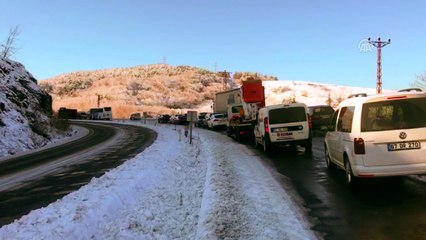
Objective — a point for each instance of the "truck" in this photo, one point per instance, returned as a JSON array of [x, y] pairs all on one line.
[[223, 99], [66, 113], [241, 106]]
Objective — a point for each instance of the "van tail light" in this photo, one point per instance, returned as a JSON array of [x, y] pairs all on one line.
[[309, 121], [266, 123], [359, 146]]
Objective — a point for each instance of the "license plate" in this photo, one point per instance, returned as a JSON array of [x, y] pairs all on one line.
[[404, 146], [285, 136]]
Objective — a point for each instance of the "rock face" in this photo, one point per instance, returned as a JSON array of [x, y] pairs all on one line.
[[25, 110]]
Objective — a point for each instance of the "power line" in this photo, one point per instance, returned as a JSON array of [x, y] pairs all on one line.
[[379, 44]]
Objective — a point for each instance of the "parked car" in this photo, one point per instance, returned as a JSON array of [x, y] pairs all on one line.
[[82, 115], [283, 125], [320, 116], [164, 118], [378, 135], [182, 119], [216, 120], [135, 116], [200, 120], [206, 118]]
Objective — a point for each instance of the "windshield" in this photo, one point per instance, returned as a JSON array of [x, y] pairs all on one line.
[[287, 115], [237, 109], [395, 114]]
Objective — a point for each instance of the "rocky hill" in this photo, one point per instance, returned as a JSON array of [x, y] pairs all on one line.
[[157, 88], [25, 110]]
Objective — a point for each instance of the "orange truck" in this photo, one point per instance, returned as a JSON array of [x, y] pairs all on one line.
[[242, 105]]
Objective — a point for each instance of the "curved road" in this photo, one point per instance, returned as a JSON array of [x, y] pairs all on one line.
[[33, 181]]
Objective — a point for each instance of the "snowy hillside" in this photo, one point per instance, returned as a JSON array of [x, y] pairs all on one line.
[[25, 110], [310, 93]]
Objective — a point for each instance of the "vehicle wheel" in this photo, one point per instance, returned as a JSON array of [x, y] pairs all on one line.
[[265, 147], [237, 136], [256, 144], [330, 164], [308, 146], [351, 180], [229, 131]]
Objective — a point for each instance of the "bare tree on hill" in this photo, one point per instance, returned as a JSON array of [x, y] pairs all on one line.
[[420, 81], [8, 49]]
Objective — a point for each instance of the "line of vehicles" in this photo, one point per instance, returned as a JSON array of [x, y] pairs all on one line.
[[366, 136], [101, 113], [243, 113]]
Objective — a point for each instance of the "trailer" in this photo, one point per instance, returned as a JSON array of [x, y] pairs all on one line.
[[223, 99]]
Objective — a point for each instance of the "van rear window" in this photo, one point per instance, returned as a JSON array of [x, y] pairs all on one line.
[[394, 114], [287, 115]]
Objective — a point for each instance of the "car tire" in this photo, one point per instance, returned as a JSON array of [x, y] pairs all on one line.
[[308, 146], [256, 144], [330, 164], [237, 136], [229, 131], [351, 180], [265, 146]]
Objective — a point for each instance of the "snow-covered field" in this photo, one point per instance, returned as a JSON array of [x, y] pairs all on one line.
[[213, 188], [310, 93]]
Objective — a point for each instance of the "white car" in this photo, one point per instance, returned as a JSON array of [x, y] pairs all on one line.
[[283, 125], [216, 120], [378, 135]]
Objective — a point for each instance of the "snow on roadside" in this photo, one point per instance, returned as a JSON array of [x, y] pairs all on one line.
[[213, 188], [242, 200]]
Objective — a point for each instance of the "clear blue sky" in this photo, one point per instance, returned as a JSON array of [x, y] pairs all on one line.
[[319, 41]]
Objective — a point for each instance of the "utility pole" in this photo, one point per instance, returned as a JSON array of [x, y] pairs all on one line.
[[225, 75], [379, 44], [99, 99]]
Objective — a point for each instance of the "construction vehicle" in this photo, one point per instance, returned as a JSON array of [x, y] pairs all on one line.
[[241, 106]]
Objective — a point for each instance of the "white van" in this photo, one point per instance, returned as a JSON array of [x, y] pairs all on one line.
[[378, 135], [283, 125]]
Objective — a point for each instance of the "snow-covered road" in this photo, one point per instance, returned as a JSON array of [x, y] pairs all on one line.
[[213, 188]]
